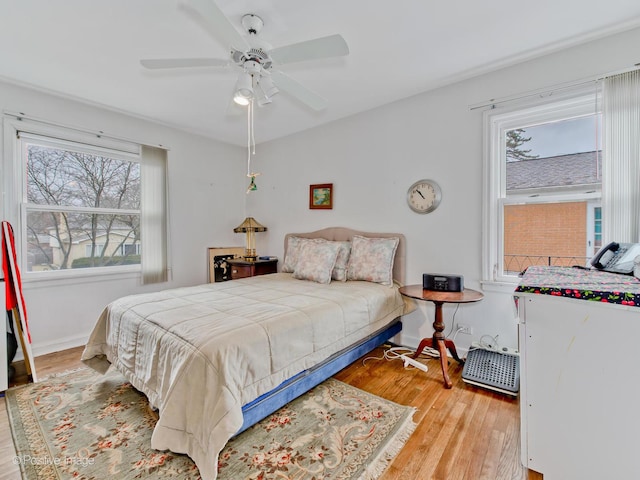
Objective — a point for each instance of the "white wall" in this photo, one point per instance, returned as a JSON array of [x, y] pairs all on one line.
[[206, 191], [372, 158]]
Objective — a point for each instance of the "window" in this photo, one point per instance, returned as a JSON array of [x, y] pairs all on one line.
[[543, 170], [80, 204], [597, 229]]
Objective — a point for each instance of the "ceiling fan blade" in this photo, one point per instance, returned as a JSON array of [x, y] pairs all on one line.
[[219, 23], [324, 47], [154, 63], [295, 89]]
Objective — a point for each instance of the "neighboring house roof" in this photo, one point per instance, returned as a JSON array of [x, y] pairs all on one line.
[[560, 171]]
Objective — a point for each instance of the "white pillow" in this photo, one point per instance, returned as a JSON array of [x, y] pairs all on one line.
[[371, 259], [316, 261]]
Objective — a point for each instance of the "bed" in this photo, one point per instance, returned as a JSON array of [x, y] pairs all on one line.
[[216, 358]]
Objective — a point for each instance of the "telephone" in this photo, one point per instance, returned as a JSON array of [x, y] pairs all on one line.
[[616, 257]]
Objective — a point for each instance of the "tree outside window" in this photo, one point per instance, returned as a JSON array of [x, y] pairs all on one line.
[[83, 207]]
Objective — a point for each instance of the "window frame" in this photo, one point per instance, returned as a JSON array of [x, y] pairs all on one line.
[[15, 206], [496, 122]]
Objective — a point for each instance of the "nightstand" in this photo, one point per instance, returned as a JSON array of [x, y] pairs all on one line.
[[241, 268]]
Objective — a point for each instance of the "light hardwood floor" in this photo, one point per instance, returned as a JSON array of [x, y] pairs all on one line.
[[465, 433]]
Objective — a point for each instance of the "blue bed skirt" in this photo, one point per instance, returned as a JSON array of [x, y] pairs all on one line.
[[292, 388]]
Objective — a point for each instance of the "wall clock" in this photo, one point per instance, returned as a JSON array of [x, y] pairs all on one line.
[[424, 196]]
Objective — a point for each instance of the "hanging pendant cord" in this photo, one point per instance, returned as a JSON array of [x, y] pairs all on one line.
[[249, 137], [253, 140]]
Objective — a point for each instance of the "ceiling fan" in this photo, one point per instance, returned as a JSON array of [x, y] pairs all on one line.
[[258, 79]]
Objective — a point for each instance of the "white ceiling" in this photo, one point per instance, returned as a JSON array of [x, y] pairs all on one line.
[[90, 50]]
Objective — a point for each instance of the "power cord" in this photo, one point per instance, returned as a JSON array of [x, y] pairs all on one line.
[[400, 353], [491, 344], [453, 322], [453, 339], [405, 354], [391, 353]]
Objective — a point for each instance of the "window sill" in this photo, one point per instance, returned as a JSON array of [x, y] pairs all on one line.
[[499, 287], [74, 277]]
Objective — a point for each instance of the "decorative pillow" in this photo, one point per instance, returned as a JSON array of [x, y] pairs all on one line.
[[293, 248], [340, 268], [371, 259], [316, 261]]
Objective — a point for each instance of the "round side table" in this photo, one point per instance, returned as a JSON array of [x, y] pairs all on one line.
[[438, 341]]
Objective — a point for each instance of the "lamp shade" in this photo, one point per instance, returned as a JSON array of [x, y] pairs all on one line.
[[250, 225]]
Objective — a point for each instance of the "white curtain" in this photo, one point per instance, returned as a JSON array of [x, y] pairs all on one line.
[[154, 213], [621, 166]]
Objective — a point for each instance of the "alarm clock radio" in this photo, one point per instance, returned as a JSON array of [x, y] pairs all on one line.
[[442, 282]]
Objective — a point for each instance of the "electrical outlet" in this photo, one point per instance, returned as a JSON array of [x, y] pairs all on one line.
[[465, 329]]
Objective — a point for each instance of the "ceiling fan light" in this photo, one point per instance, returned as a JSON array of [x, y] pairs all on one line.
[[267, 86], [240, 100], [244, 89], [262, 101]]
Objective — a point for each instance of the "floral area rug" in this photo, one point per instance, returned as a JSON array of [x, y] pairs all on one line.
[[83, 425]]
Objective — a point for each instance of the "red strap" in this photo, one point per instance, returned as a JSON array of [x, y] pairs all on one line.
[[12, 295]]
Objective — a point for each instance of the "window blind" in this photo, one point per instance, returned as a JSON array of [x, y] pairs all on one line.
[[154, 213], [621, 166]]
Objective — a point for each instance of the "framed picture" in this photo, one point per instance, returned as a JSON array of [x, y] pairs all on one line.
[[321, 196]]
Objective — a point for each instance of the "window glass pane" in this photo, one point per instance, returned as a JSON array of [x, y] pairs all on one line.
[[57, 176], [544, 234], [65, 240], [597, 228], [564, 136], [555, 158]]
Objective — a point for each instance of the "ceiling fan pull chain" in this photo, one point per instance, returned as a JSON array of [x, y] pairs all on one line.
[[251, 143], [253, 139], [249, 140]]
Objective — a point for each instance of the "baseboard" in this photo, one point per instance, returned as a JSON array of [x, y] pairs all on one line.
[[407, 340], [44, 348]]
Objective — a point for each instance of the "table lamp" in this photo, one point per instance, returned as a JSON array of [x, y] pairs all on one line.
[[250, 226]]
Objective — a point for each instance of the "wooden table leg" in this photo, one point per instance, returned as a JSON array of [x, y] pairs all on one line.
[[424, 343], [440, 343], [452, 348], [444, 363]]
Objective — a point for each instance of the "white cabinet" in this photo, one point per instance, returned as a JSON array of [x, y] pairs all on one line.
[[3, 342], [579, 387]]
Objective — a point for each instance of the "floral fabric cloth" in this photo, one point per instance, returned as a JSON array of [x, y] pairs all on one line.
[[582, 284], [371, 259], [296, 253], [316, 261], [340, 268]]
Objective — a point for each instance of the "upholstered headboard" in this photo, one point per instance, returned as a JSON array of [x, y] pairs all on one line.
[[342, 234]]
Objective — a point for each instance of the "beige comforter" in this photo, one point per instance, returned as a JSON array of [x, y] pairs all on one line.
[[200, 353]]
